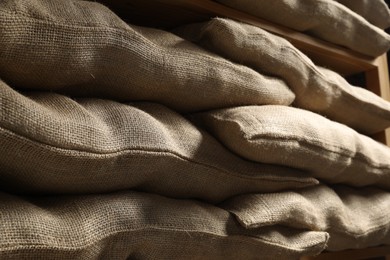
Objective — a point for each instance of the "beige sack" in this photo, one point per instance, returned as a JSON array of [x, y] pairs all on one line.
[[83, 49], [131, 225], [52, 144], [316, 89], [375, 11], [325, 19], [354, 218], [301, 139]]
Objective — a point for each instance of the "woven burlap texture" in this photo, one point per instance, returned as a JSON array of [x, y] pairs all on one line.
[[353, 217], [316, 89], [375, 11], [51, 143], [300, 139], [325, 19], [81, 48], [132, 225]]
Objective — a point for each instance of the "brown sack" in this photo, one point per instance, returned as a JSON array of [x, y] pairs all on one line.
[[317, 89], [325, 19], [301, 139], [52, 144], [131, 225], [81, 48], [375, 11], [354, 218]]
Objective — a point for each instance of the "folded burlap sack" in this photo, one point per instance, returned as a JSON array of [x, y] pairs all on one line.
[[52, 144], [325, 19], [83, 49], [301, 139], [354, 218], [132, 225], [316, 89], [375, 11]]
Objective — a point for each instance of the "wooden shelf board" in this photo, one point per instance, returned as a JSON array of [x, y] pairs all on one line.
[[377, 80]]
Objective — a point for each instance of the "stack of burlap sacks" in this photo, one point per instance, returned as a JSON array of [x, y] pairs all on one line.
[[124, 142]]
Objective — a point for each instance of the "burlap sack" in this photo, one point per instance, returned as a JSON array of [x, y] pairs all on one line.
[[131, 225], [375, 11], [325, 19], [301, 139], [52, 144], [83, 49], [316, 89], [354, 218]]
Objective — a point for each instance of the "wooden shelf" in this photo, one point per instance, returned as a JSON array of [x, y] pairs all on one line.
[[377, 81]]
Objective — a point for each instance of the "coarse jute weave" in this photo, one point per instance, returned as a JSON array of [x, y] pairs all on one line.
[[325, 19], [301, 139], [316, 89], [354, 218], [50, 143], [81, 48], [375, 11], [132, 225]]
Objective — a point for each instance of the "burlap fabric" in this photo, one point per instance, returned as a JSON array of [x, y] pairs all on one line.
[[301, 139], [53, 144], [324, 19], [375, 11], [81, 48], [131, 225], [354, 218], [316, 89]]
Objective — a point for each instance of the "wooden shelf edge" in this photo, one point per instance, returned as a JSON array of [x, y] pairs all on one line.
[[377, 80]]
